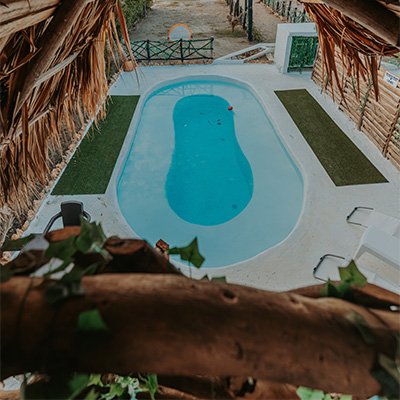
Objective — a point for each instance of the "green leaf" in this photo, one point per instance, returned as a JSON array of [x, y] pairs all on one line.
[[221, 279], [310, 394], [352, 275], [91, 321], [340, 291], [362, 326], [5, 274], [60, 268], [92, 395], [63, 250], [76, 384], [330, 290], [91, 237], [150, 383], [76, 274], [95, 380], [18, 244], [62, 289], [189, 253]]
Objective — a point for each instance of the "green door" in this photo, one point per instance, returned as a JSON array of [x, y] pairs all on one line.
[[302, 52]]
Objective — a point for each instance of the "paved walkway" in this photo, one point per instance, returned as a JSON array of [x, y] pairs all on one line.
[[322, 227], [205, 18]]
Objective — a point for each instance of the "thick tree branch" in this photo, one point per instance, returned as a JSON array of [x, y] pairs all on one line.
[[128, 255], [168, 324]]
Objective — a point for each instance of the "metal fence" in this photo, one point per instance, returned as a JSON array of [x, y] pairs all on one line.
[[179, 50], [290, 9], [243, 10]]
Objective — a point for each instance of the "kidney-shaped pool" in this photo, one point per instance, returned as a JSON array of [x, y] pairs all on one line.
[[206, 162]]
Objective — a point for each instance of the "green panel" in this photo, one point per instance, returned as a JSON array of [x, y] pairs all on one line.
[[302, 52], [341, 158], [90, 169]]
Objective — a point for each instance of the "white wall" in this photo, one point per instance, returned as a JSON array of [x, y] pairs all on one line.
[[283, 41]]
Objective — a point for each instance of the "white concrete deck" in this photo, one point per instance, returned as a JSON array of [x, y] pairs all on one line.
[[321, 229]]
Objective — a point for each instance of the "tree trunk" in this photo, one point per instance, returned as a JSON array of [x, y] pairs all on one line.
[[172, 325]]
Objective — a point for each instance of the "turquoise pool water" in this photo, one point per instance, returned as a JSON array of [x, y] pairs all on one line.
[[196, 168], [210, 180]]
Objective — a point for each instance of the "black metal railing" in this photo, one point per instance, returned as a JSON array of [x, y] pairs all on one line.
[[292, 10], [177, 50]]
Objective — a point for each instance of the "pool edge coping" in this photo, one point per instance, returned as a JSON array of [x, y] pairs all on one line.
[[111, 191]]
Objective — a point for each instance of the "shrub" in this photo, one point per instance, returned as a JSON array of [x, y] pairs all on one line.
[[134, 10]]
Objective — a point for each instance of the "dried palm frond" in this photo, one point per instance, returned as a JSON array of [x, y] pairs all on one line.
[[360, 49], [38, 118]]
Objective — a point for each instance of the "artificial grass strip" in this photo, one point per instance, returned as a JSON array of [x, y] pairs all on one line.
[[90, 169], [341, 158]]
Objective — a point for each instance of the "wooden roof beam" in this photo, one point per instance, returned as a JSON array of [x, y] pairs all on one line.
[[15, 9], [370, 14], [20, 14], [17, 25], [60, 26]]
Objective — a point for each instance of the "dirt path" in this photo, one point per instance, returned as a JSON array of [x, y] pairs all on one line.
[[265, 22], [205, 18]]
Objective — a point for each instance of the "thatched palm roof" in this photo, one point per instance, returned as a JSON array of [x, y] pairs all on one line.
[[52, 78], [54, 56], [363, 31]]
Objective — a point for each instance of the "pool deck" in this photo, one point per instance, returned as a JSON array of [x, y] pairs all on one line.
[[322, 227]]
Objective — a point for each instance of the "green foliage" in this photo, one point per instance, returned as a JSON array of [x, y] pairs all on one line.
[[90, 387], [92, 395], [63, 250], [121, 387], [350, 276], [134, 10], [77, 383], [13, 245], [305, 393], [189, 253], [311, 394], [150, 383], [90, 241], [70, 251], [91, 321], [221, 279]]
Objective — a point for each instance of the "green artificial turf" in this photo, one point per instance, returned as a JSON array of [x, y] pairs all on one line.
[[90, 168], [342, 160]]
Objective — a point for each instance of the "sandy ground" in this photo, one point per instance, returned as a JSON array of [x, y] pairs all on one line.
[[265, 22], [205, 18]]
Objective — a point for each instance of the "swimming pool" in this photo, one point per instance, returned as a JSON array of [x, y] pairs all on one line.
[[197, 169]]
